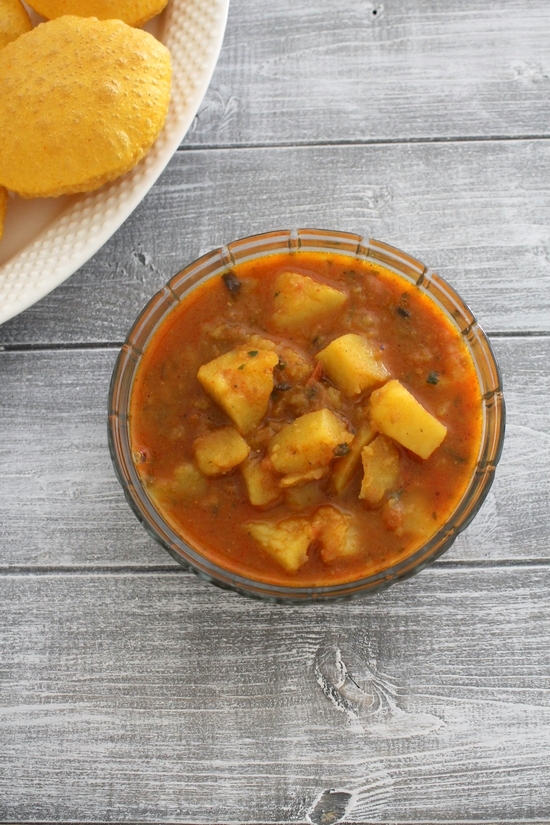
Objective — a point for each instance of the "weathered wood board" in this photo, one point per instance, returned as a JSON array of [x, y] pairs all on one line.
[[476, 212], [61, 505], [295, 71], [157, 698], [132, 692]]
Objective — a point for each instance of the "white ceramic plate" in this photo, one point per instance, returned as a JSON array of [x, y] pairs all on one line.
[[47, 239]]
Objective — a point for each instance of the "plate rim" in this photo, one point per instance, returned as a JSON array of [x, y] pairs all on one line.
[[150, 168]]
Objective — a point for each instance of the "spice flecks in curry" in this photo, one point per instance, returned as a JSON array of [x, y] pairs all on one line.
[[307, 419]]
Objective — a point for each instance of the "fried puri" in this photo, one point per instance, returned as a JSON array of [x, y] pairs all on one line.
[[3, 208], [133, 12], [82, 102], [14, 21]]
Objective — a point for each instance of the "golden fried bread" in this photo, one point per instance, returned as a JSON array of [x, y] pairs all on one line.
[[133, 12], [3, 208], [14, 21], [82, 102]]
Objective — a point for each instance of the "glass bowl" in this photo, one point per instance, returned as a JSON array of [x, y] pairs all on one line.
[[222, 261]]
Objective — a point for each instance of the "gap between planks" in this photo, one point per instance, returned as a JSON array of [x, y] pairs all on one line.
[[109, 346], [307, 144], [167, 570]]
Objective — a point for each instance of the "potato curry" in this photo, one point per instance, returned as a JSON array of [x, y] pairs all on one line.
[[306, 419]]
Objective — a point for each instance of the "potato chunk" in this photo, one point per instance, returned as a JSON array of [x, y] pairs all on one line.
[[241, 382], [353, 364], [218, 451], [304, 496], [307, 444], [397, 413], [344, 468], [262, 485], [381, 470], [411, 514], [186, 483], [336, 534], [299, 300], [286, 541], [298, 479]]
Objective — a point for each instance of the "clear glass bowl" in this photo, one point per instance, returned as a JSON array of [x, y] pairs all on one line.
[[217, 263]]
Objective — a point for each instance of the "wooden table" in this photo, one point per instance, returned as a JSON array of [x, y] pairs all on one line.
[[133, 692]]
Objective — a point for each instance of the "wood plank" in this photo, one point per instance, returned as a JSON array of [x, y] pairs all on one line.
[[60, 503], [477, 213], [157, 698], [293, 72]]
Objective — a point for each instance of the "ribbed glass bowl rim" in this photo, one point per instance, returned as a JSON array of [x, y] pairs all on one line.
[[223, 260]]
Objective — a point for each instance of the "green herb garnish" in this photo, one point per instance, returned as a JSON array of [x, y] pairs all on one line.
[[341, 449]]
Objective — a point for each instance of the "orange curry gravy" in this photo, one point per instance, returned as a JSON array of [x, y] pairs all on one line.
[[417, 345]]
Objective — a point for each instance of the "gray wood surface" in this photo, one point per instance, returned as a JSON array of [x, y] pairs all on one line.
[[295, 72], [157, 697], [132, 692], [476, 212]]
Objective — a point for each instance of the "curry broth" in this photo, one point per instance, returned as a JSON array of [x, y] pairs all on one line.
[[418, 346]]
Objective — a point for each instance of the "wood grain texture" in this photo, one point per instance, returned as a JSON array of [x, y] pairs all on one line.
[[159, 698], [61, 505], [477, 213], [296, 72], [132, 692]]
